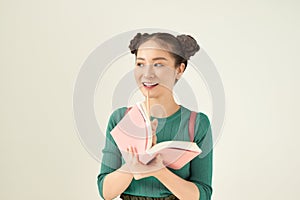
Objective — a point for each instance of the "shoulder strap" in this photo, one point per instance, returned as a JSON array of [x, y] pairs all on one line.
[[192, 125]]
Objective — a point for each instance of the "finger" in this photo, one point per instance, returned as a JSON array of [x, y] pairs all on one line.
[[136, 154], [154, 139], [159, 158], [131, 150], [154, 124], [130, 153], [126, 155]]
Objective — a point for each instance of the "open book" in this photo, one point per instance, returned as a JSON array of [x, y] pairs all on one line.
[[135, 129]]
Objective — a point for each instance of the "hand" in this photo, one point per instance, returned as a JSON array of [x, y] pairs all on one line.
[[154, 124], [140, 170]]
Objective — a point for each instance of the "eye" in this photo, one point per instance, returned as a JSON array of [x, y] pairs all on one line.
[[158, 65], [140, 64]]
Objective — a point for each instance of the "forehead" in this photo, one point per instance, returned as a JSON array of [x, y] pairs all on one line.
[[151, 49]]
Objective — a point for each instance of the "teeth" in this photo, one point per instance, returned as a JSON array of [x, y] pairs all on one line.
[[150, 84]]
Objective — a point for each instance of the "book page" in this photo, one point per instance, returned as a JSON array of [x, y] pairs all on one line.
[[183, 145], [144, 113]]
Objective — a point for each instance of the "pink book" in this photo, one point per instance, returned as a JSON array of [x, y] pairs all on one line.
[[135, 130], [175, 154]]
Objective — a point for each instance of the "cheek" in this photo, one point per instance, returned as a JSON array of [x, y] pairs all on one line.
[[168, 75], [137, 75]]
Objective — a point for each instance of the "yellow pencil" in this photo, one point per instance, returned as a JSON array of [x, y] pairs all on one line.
[[148, 104]]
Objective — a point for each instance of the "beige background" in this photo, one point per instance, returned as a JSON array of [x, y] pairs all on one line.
[[254, 44]]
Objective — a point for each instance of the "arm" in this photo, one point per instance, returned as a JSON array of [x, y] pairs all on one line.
[[198, 185], [112, 173], [119, 179], [201, 167], [181, 188]]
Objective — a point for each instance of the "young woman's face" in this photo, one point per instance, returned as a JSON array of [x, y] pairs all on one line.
[[155, 70]]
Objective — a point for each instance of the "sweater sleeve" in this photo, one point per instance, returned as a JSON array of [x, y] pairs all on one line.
[[201, 166], [111, 157]]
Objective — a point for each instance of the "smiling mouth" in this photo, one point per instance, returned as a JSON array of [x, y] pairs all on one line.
[[149, 85]]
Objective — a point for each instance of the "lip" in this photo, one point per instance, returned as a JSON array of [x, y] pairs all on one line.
[[149, 85]]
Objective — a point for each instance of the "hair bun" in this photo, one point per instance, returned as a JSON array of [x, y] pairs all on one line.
[[135, 42], [189, 45]]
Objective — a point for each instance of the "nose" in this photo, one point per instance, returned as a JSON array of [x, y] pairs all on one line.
[[148, 71]]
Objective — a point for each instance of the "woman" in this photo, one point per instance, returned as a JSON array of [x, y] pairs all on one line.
[[161, 59]]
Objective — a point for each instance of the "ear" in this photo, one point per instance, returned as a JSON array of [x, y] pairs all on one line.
[[180, 70]]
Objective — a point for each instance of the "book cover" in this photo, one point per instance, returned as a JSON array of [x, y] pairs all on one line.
[[135, 130]]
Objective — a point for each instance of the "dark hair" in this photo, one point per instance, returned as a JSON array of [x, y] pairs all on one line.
[[181, 47]]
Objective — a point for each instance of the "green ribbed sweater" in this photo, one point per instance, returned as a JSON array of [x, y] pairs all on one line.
[[174, 127]]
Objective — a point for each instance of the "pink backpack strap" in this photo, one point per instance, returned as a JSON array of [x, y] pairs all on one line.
[[127, 110], [192, 125]]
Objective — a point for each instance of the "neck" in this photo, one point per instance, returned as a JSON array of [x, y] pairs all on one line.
[[163, 107]]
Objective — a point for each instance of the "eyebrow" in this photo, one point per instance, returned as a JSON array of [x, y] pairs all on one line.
[[157, 58]]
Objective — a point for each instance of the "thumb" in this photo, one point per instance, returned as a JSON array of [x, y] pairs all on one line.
[[159, 158]]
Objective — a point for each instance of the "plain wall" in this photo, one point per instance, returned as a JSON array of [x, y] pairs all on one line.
[[254, 45]]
